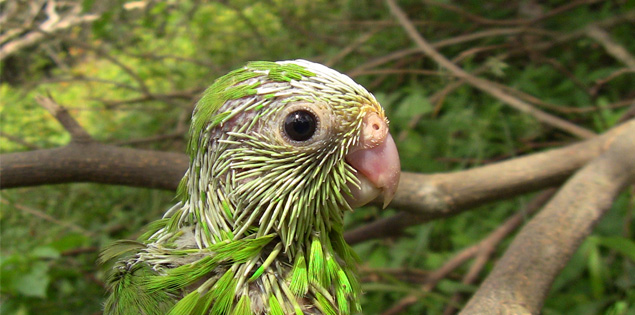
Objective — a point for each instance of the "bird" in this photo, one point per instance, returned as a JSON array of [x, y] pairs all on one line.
[[278, 153]]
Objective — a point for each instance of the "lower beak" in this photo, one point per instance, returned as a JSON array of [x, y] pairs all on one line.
[[376, 160]]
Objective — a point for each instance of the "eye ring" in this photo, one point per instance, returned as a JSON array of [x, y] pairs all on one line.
[[300, 125]]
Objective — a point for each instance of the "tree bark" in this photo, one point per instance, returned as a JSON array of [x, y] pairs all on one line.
[[521, 279], [92, 162]]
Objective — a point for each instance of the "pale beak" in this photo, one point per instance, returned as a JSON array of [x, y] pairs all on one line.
[[376, 160]]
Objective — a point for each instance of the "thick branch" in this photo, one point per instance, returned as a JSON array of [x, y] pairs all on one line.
[[92, 162], [424, 197], [485, 247], [427, 197], [521, 279]]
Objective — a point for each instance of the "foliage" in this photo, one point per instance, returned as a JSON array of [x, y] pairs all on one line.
[[135, 73]]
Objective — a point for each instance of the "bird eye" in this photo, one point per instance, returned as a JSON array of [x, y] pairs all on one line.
[[300, 125]]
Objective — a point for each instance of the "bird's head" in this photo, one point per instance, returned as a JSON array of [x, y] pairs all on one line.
[[287, 147]]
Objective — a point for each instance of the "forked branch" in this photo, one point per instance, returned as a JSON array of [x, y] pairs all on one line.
[[521, 279]]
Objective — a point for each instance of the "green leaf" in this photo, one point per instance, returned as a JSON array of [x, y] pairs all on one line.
[[70, 241], [596, 266], [415, 104], [619, 244], [35, 282], [45, 252]]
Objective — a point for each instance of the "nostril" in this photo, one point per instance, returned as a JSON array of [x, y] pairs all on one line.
[[376, 126]]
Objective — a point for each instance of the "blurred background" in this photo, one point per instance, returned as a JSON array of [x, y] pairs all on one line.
[[130, 72]]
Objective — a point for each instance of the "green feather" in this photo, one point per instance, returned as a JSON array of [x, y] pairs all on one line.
[[241, 250], [224, 89], [223, 293], [299, 283], [181, 190], [257, 273], [278, 72], [354, 283], [118, 250], [343, 285], [342, 249], [227, 209], [131, 296], [243, 307], [228, 87], [204, 303], [153, 228], [272, 256], [324, 305], [316, 263], [274, 306], [172, 224], [180, 277], [332, 267], [245, 189], [343, 291], [186, 305]]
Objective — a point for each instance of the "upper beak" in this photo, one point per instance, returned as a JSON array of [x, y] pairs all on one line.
[[376, 160]]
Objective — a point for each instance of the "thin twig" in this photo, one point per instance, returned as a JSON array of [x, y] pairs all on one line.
[[77, 132], [612, 47], [82, 78], [628, 217], [485, 21], [482, 250], [80, 250], [482, 84], [184, 95], [562, 109], [46, 217], [351, 47], [477, 50], [562, 69], [564, 8], [437, 98], [19, 141], [630, 114], [108, 56], [442, 43], [473, 17], [402, 71], [53, 24], [601, 82]]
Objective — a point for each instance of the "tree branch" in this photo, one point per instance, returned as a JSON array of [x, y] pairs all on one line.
[[482, 84], [427, 197], [521, 279], [93, 162], [485, 247], [69, 123], [53, 24], [612, 48], [423, 197]]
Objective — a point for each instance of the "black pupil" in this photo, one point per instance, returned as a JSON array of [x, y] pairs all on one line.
[[300, 125]]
